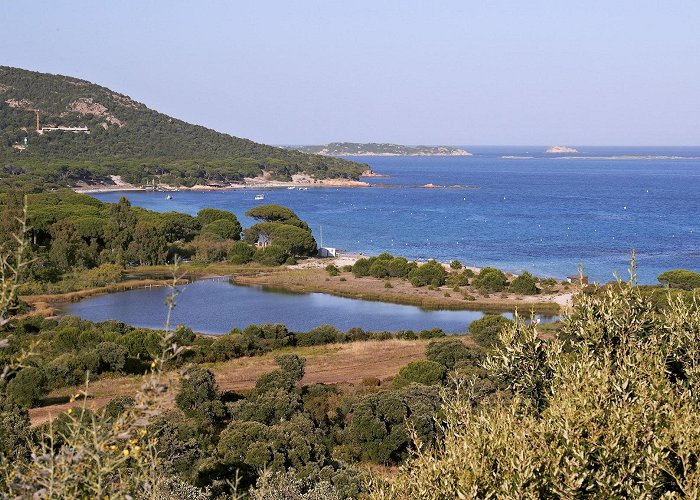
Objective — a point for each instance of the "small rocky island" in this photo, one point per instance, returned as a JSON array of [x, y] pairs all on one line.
[[561, 149], [380, 149]]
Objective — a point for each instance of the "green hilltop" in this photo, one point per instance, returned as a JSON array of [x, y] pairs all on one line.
[[125, 138]]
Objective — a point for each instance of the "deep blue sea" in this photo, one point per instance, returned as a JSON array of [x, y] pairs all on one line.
[[543, 213]]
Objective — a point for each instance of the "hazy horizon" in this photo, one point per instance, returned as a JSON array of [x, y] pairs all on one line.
[[464, 73]]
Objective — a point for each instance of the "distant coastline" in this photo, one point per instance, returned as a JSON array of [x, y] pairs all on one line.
[[336, 149]]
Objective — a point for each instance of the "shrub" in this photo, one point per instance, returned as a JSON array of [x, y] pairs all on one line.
[[27, 387], [387, 284], [430, 273], [525, 284], [431, 334], [420, 372], [272, 255], [347, 269], [324, 334], [197, 388], [112, 356], [355, 334], [491, 280], [380, 268], [680, 278], [361, 267], [447, 352], [486, 330], [241, 253], [399, 267], [455, 264], [617, 405], [332, 270]]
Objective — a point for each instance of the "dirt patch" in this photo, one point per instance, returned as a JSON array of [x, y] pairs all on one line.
[[87, 106]]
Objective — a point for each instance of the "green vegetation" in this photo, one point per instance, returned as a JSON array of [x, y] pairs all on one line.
[[525, 284], [680, 278], [420, 372], [612, 412], [491, 280], [79, 242], [485, 331], [127, 139]]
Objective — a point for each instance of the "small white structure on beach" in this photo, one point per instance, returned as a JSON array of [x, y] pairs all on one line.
[[325, 252]]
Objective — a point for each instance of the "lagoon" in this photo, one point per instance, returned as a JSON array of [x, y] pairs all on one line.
[[217, 306]]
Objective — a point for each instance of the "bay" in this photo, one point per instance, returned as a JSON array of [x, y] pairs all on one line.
[[546, 214]]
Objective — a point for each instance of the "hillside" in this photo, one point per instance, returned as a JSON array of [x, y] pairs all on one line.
[[377, 149], [126, 138]]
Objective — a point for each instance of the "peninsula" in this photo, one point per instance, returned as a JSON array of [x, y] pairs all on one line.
[[380, 149]]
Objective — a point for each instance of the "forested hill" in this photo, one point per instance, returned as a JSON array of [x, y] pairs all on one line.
[[127, 138]]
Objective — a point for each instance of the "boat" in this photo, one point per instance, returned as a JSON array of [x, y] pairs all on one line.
[[290, 187], [168, 197], [259, 197]]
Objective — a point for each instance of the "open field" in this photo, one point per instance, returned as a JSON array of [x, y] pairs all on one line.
[[329, 364]]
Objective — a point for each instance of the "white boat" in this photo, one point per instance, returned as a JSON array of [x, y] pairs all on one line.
[[168, 197], [259, 197], [292, 187]]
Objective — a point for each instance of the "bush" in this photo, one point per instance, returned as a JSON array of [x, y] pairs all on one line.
[[112, 356], [447, 352], [491, 280], [420, 372], [380, 268], [430, 273], [680, 278], [455, 264], [525, 284], [456, 279], [361, 267], [612, 414], [27, 387], [241, 253], [486, 330], [324, 334], [272, 255], [197, 389], [332, 270], [431, 334]]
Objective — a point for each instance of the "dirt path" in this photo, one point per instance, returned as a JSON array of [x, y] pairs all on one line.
[[338, 363]]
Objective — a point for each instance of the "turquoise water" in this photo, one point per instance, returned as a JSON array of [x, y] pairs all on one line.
[[216, 307], [544, 214]]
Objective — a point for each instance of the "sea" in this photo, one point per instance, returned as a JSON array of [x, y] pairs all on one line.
[[514, 208]]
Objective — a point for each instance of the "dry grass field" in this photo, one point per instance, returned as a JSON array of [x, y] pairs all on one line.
[[329, 364]]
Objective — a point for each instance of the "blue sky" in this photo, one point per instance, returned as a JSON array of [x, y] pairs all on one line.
[[614, 72]]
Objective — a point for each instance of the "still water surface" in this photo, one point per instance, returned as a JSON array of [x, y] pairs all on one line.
[[216, 307]]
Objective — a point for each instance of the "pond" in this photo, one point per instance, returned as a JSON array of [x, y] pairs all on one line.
[[217, 306]]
